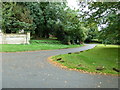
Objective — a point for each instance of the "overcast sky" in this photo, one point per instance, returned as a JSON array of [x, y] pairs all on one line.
[[72, 4]]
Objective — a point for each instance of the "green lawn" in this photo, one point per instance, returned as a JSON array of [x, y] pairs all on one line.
[[35, 45], [100, 56]]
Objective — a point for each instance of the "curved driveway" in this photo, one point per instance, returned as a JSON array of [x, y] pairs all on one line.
[[31, 70]]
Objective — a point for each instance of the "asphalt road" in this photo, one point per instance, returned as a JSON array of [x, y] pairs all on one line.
[[32, 70]]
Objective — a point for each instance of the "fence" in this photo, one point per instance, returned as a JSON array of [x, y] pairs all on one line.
[[14, 38]]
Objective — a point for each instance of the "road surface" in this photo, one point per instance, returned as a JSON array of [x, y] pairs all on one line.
[[32, 70]]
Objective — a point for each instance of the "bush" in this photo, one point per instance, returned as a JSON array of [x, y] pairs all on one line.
[[45, 41]]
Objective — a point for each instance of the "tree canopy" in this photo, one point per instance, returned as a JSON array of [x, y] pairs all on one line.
[[69, 26], [106, 13]]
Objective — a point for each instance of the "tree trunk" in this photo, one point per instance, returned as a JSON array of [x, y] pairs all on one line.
[[46, 31], [47, 34]]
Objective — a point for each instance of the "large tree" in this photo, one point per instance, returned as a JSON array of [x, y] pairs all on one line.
[[72, 28], [15, 17], [44, 14], [106, 13]]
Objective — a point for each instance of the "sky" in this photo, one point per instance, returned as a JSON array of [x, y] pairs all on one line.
[[72, 4]]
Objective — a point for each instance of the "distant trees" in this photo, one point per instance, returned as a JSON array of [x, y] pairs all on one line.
[[43, 19], [92, 34]]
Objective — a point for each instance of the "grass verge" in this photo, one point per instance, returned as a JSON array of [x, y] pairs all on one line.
[[101, 59], [35, 45]]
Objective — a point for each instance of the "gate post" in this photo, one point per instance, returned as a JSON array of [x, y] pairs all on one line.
[[28, 37]]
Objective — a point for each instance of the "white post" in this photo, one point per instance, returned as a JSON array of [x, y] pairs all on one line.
[[1, 36], [28, 37]]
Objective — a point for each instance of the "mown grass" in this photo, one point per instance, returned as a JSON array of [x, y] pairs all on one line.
[[100, 56], [35, 45]]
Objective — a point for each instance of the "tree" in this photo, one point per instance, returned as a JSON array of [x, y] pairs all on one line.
[[73, 30], [15, 18], [105, 13], [44, 14]]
